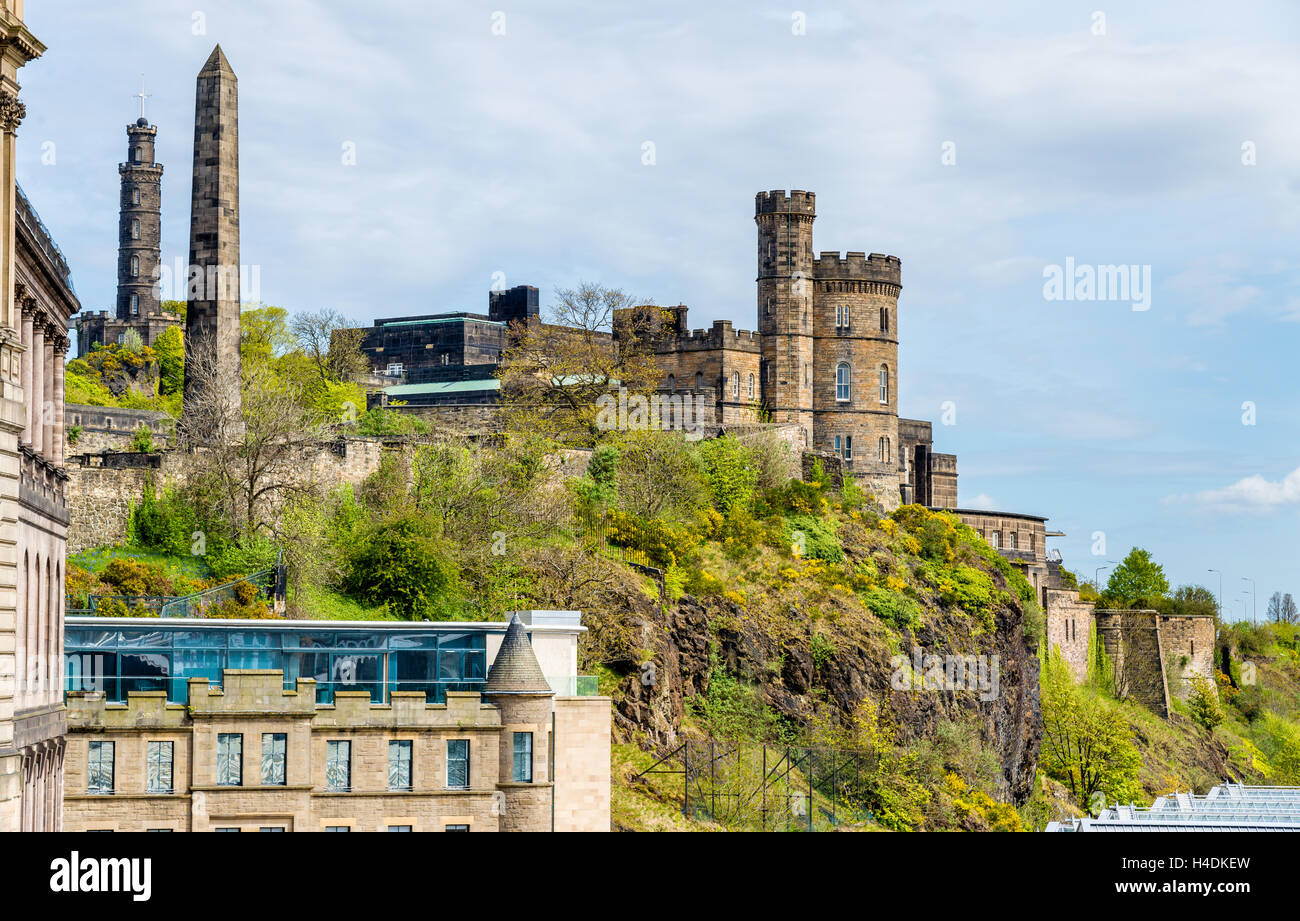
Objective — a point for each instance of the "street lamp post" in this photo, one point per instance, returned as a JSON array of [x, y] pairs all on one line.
[[1252, 597], [1096, 576], [1220, 592]]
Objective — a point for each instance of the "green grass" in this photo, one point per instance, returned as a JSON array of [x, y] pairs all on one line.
[[318, 603], [96, 558]]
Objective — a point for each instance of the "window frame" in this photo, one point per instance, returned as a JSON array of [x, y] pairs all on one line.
[[516, 755], [407, 746], [224, 738], [884, 385], [283, 739], [95, 765], [844, 387], [160, 745], [332, 747], [458, 760]]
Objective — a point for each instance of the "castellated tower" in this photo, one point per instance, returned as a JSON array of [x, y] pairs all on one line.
[[785, 304], [211, 398], [855, 371], [139, 231]]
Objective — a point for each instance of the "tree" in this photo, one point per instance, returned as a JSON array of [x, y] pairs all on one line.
[[1138, 581], [1087, 743], [247, 454], [1192, 599], [170, 349], [553, 373], [332, 345], [264, 332], [1282, 609]]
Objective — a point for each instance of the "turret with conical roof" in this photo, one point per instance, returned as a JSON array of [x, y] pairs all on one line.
[[518, 688]]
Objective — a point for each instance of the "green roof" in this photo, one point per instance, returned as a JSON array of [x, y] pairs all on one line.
[[483, 383]]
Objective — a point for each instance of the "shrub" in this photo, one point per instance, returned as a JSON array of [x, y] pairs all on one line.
[[402, 565], [729, 471], [816, 536], [663, 544], [164, 523], [130, 576], [1203, 703]]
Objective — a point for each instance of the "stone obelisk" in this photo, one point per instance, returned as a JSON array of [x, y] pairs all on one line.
[[211, 400]]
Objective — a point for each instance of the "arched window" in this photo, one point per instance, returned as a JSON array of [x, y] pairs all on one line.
[[884, 384], [672, 382], [1011, 540], [135, 196], [135, 265], [848, 447], [843, 383], [884, 319], [771, 305], [135, 305], [139, 155], [135, 230], [735, 383], [751, 385], [699, 380], [884, 447], [839, 448], [994, 539]]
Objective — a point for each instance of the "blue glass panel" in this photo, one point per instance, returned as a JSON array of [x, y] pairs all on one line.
[[90, 638], [307, 640], [449, 664], [475, 664], [344, 640], [199, 638], [413, 641], [456, 640], [147, 672], [151, 638], [254, 658], [358, 673], [256, 639]]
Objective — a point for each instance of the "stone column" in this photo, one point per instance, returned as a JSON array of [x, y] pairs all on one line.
[[34, 398], [60, 356], [48, 446], [27, 370]]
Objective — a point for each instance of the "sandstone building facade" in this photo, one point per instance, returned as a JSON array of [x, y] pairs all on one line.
[[36, 299], [352, 727]]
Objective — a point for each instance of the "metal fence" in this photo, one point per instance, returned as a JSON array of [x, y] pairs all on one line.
[[753, 787]]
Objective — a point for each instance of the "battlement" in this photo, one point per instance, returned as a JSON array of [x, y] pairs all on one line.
[[778, 201], [720, 335], [136, 128], [859, 267]]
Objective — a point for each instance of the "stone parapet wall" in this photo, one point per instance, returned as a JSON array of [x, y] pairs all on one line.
[[1069, 626]]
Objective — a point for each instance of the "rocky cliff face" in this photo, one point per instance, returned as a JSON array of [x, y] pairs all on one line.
[[688, 637]]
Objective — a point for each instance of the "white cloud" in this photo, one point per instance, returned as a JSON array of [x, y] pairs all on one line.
[[1254, 493]]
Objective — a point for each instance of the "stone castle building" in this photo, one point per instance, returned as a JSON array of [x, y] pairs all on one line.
[[185, 725], [139, 250], [36, 299]]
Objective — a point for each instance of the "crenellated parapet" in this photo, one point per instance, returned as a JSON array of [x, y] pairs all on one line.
[[859, 267]]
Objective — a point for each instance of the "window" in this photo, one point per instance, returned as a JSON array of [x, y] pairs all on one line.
[[399, 828], [338, 828], [135, 305], [735, 383], [135, 266], [884, 319], [159, 759], [771, 305], [751, 386], [456, 828], [884, 449], [699, 380], [843, 383], [1011, 540], [135, 230], [230, 759], [271, 828], [135, 196], [338, 766], [672, 382], [884, 384], [273, 771], [994, 539], [99, 768], [159, 829], [399, 765], [225, 829], [458, 764], [139, 155], [848, 447], [839, 448], [523, 757]]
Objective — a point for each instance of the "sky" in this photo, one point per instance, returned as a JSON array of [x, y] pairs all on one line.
[[402, 157]]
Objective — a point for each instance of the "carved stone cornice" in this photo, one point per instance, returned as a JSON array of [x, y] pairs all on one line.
[[12, 111]]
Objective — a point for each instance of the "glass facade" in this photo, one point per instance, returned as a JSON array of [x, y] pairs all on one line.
[[160, 767], [163, 658]]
